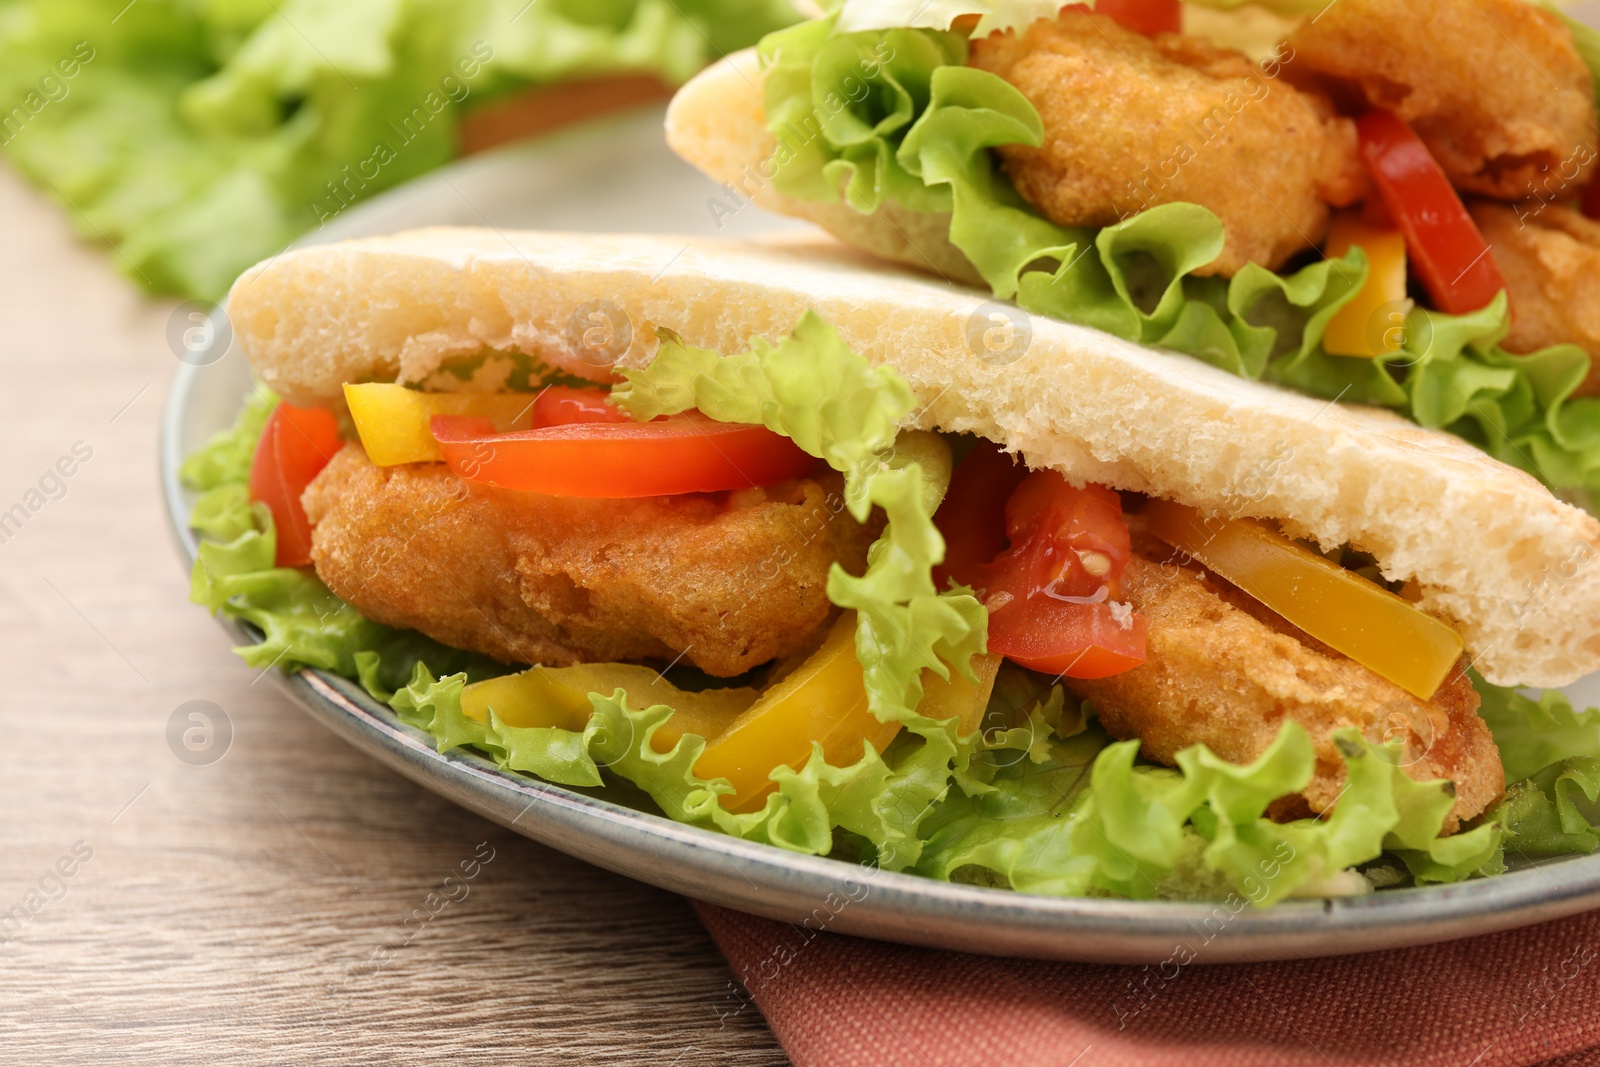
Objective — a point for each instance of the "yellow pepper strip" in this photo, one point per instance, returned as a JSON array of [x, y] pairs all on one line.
[[559, 697], [955, 697], [393, 420], [825, 700], [1363, 620], [1373, 322]]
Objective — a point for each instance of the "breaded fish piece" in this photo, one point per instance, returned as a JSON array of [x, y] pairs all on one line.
[[1226, 672], [1550, 257], [725, 581], [1495, 88], [1131, 122]]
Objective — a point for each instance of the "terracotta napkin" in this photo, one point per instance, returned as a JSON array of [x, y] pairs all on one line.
[[1507, 1000]]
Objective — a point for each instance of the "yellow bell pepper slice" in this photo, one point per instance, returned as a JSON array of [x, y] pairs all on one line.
[[1363, 620], [956, 698], [825, 700], [393, 420], [1373, 322], [559, 697]]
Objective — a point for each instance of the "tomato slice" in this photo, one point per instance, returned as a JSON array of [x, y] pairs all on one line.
[[1049, 559], [972, 516], [1455, 263], [295, 445], [564, 405], [1148, 17], [686, 453], [1067, 640]]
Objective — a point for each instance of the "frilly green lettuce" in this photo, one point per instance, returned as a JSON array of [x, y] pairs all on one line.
[[1554, 811], [224, 462], [198, 138], [920, 136], [882, 799], [1079, 815], [1535, 733], [1551, 754]]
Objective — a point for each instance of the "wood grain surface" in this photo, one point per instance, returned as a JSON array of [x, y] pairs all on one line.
[[274, 905]]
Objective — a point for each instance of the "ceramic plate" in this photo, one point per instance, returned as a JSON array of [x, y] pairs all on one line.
[[619, 175]]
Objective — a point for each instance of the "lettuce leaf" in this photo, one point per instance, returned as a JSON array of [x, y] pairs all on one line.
[[1535, 733], [1554, 811], [920, 135], [868, 798], [1084, 817], [199, 138], [1551, 754], [224, 462]]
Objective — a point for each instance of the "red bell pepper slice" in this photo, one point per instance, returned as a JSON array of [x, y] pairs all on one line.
[[1455, 263], [686, 453]]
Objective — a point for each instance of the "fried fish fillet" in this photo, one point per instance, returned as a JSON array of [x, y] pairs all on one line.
[[1226, 672], [1131, 122], [1550, 257], [1495, 88], [725, 581]]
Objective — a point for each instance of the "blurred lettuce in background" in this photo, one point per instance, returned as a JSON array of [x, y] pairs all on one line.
[[199, 136]]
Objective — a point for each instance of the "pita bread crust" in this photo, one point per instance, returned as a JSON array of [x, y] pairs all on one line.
[[717, 122]]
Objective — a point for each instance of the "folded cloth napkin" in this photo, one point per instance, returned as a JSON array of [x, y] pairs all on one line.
[[1525, 997]]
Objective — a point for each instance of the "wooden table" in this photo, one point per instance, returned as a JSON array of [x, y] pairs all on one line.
[[253, 910]]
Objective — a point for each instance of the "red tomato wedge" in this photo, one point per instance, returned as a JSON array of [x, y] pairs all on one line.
[[686, 453], [295, 445], [1049, 559], [563, 405], [1455, 263], [1148, 17], [972, 516]]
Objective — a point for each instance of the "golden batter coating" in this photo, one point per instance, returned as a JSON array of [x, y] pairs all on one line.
[[1550, 257], [1225, 672], [1495, 88], [727, 581], [1131, 122]]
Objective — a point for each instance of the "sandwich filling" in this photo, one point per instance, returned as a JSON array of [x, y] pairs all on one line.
[[738, 584]]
